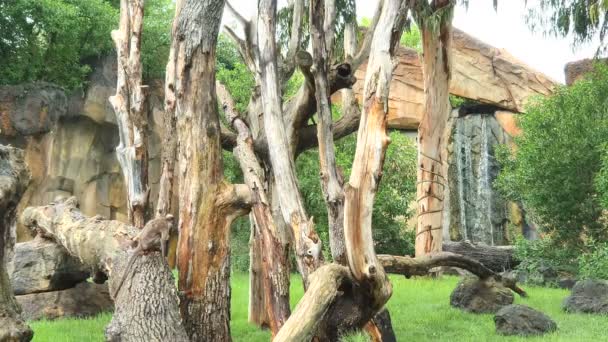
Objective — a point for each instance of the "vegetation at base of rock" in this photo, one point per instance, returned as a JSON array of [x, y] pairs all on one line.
[[594, 265], [421, 309], [556, 170]]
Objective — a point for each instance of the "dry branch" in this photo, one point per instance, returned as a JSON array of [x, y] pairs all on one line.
[[105, 245], [128, 104], [420, 266]]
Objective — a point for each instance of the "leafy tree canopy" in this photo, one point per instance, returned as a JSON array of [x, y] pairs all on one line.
[[56, 40]]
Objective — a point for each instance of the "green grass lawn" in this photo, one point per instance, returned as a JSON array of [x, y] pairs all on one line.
[[419, 309]]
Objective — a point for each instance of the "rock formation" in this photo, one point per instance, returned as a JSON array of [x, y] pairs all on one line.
[[588, 296], [480, 296], [69, 142], [578, 69], [481, 72]]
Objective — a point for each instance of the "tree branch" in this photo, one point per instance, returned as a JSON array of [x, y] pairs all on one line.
[[420, 266], [364, 50]]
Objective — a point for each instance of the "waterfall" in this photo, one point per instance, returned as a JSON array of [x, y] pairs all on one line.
[[476, 212], [460, 164]]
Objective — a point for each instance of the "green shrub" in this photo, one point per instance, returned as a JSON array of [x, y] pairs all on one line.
[[542, 256], [594, 264]]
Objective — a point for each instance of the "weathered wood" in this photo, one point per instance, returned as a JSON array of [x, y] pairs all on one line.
[[434, 21], [331, 178], [273, 253], [128, 104], [496, 258], [207, 205], [421, 265], [146, 307], [323, 289], [14, 178], [307, 244]]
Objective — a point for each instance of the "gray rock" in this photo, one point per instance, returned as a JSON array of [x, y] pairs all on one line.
[[480, 296], [86, 299], [588, 296], [41, 265], [566, 283], [523, 321], [32, 108]]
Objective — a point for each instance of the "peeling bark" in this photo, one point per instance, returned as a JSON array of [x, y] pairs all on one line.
[[272, 262], [436, 29], [128, 104], [205, 211], [306, 241], [331, 179], [146, 306], [14, 178]]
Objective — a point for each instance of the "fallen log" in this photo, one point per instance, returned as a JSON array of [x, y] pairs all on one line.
[[146, 307], [496, 258], [421, 265]]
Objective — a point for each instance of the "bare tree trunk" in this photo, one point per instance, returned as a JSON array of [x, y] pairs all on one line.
[[14, 178], [365, 286], [272, 259], [331, 179], [435, 25], [207, 204], [169, 142], [128, 104], [306, 241], [146, 306]]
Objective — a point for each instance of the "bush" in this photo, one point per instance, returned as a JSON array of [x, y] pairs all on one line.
[[594, 264], [557, 158], [543, 259]]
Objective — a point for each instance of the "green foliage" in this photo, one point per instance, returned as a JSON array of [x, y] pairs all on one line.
[[582, 19], [56, 40], [536, 256], [49, 39], [557, 159], [595, 263], [412, 39], [156, 37], [391, 207]]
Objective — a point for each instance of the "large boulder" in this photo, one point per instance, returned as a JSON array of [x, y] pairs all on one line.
[[480, 296], [523, 321], [41, 266], [588, 296], [86, 299]]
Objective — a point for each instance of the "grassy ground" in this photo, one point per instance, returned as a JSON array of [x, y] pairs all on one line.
[[419, 308]]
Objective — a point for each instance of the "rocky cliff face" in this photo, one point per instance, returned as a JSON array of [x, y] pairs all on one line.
[[474, 210], [69, 142]]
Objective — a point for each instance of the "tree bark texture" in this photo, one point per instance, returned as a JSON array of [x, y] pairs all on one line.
[[128, 104], [307, 244], [207, 204], [14, 178], [272, 259], [331, 178], [146, 306], [436, 29], [496, 258]]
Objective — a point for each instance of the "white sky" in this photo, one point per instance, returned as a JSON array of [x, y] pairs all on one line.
[[504, 29]]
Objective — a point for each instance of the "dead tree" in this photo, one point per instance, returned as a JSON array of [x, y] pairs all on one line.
[[128, 104], [14, 178], [435, 22], [145, 308]]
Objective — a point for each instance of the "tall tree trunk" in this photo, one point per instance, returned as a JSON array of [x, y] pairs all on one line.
[[145, 308], [14, 179], [272, 260], [331, 179], [128, 104], [207, 204], [306, 241], [364, 286], [436, 29]]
